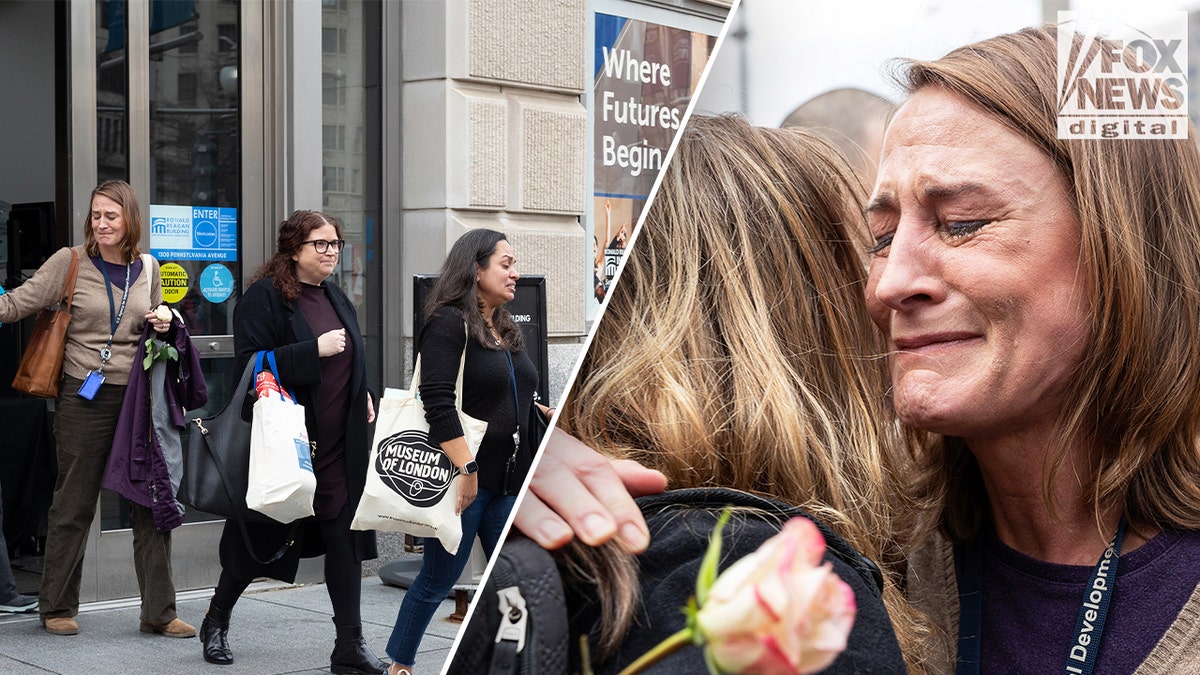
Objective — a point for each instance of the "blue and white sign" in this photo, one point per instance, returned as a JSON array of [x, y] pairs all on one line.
[[193, 232], [216, 283]]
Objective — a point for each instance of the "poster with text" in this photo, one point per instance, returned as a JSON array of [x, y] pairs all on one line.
[[645, 74]]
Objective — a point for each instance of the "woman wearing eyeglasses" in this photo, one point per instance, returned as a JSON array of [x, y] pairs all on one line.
[[313, 329]]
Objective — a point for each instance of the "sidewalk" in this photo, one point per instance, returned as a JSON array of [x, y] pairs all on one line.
[[275, 629]]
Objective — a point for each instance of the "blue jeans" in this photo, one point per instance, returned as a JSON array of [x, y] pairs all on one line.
[[439, 570]]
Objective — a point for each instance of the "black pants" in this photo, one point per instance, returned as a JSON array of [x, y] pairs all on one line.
[[343, 573]]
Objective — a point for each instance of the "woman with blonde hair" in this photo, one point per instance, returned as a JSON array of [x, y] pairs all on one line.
[[117, 288], [736, 356]]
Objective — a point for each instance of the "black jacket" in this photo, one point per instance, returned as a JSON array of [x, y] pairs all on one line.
[[681, 522], [263, 319]]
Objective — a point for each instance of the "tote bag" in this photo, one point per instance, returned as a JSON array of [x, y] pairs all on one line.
[[281, 482], [411, 484]]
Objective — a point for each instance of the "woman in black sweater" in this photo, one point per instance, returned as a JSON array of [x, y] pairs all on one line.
[[310, 324], [466, 311]]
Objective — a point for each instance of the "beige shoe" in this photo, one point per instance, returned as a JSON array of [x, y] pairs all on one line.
[[61, 625], [176, 629], [397, 669]]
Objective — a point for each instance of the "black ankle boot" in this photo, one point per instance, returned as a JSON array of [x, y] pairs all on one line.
[[214, 636], [351, 656]]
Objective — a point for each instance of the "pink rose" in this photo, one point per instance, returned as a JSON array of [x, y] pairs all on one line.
[[778, 611]]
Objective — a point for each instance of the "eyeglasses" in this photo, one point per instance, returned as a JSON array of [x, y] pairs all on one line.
[[323, 246]]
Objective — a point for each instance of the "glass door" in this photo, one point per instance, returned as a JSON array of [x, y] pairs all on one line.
[[169, 120]]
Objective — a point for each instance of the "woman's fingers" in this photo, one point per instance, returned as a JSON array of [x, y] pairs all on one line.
[[577, 491]]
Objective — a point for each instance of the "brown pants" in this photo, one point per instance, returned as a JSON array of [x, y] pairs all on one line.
[[84, 432]]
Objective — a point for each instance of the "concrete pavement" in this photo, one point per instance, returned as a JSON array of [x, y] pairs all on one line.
[[274, 629]]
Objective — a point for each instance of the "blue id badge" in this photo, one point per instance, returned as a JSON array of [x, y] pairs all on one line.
[[91, 385]]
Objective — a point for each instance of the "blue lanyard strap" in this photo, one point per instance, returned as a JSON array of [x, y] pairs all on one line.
[[512, 377], [970, 610], [1089, 628], [1097, 597], [114, 316]]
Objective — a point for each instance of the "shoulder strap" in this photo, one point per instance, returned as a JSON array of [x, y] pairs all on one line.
[[462, 364], [68, 292], [146, 274]]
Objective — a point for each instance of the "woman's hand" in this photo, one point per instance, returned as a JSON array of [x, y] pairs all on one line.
[[159, 323], [577, 491], [468, 487], [370, 409], [332, 342]]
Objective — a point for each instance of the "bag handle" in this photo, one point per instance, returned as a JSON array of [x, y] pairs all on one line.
[[68, 292], [273, 369], [462, 364]]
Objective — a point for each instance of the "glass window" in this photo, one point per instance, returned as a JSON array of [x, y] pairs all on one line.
[[333, 137], [186, 86], [335, 180], [195, 137], [227, 37], [195, 146], [112, 86], [333, 89], [350, 45]]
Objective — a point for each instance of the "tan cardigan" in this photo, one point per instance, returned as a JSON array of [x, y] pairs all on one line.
[[932, 588], [89, 312]]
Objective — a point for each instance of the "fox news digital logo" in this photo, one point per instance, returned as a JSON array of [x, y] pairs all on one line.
[[1127, 79]]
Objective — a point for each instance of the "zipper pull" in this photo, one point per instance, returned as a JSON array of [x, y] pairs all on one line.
[[513, 617]]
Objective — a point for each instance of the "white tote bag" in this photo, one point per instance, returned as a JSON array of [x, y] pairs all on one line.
[[281, 480], [411, 484]]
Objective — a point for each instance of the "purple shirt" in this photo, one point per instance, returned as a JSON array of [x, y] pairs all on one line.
[[1030, 607], [116, 273], [333, 400]]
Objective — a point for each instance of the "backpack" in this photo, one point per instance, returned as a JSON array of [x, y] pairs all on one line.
[[520, 620]]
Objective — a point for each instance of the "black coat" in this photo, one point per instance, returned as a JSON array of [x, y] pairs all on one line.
[[681, 522], [262, 320]]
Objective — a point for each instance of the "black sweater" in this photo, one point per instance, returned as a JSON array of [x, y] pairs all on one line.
[[487, 395]]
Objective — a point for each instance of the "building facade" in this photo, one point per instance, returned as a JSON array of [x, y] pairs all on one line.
[[411, 122]]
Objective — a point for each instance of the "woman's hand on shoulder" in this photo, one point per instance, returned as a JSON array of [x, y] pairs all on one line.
[[576, 491]]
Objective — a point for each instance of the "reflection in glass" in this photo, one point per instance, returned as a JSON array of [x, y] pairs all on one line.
[[195, 138], [112, 86], [350, 136]]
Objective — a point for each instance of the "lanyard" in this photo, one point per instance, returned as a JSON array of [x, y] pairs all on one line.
[[1089, 627], [512, 377], [114, 316]]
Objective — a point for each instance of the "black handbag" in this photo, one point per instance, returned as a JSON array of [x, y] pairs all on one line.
[[520, 620], [216, 459], [216, 466]]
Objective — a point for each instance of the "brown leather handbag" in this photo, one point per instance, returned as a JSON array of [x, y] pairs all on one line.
[[41, 365]]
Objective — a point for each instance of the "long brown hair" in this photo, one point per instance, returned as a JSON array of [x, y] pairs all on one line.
[[293, 232], [1137, 391], [736, 350], [456, 287], [122, 193]]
